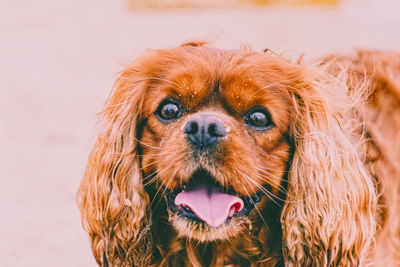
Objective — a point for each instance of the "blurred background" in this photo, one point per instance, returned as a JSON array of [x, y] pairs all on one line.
[[58, 61]]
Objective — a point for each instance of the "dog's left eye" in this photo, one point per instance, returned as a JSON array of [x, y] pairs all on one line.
[[168, 111], [259, 119]]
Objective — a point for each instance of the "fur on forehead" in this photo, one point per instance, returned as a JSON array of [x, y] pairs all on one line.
[[236, 79]]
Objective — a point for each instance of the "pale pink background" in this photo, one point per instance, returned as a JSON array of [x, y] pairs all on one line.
[[58, 60]]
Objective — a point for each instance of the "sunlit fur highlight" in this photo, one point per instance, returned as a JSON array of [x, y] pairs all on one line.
[[341, 189]]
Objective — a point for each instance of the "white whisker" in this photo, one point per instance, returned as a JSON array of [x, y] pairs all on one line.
[[258, 211], [264, 190], [269, 85]]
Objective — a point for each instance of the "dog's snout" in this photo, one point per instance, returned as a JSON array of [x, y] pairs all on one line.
[[204, 131]]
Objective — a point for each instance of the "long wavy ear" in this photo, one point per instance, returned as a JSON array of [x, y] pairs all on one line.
[[328, 218], [111, 197]]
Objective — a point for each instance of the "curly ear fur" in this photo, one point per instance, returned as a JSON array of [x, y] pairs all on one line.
[[328, 218], [111, 197]]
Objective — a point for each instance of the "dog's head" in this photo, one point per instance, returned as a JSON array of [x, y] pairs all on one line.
[[224, 140], [213, 138]]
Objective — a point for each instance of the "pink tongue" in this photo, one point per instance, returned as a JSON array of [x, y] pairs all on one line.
[[212, 207]]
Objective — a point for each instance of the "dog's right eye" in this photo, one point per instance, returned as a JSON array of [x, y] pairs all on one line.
[[169, 111]]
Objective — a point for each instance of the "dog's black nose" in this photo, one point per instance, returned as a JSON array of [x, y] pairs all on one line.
[[203, 131]]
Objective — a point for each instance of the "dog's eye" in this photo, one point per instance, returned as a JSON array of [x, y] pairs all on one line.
[[168, 111], [258, 118]]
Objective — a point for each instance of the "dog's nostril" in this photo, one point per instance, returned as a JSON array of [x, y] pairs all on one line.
[[191, 127], [216, 130]]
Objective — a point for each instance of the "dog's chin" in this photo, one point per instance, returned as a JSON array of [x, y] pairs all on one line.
[[205, 211], [203, 232]]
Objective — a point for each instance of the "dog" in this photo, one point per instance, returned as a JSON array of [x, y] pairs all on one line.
[[211, 157]]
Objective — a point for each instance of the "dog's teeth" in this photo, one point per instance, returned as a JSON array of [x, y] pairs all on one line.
[[186, 208]]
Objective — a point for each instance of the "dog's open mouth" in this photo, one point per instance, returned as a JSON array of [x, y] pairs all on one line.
[[203, 200]]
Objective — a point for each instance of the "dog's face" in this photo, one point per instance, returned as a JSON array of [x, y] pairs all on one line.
[[214, 137]]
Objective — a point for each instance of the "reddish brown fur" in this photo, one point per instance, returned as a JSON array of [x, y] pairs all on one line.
[[330, 163]]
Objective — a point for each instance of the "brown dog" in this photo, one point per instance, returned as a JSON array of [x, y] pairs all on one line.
[[211, 157]]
